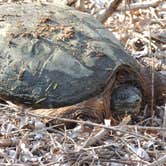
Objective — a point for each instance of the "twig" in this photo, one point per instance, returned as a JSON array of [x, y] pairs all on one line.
[[140, 5], [157, 20], [80, 5], [125, 162], [132, 151], [114, 128], [164, 120], [164, 123], [96, 136], [147, 127], [99, 147], [160, 161], [109, 10], [153, 71], [12, 164]]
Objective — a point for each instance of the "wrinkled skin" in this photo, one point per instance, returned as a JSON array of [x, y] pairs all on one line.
[[56, 58], [126, 100]]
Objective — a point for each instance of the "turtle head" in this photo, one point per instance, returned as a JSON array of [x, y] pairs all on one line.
[[126, 100]]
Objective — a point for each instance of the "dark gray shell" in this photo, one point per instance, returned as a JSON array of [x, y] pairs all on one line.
[[51, 56]]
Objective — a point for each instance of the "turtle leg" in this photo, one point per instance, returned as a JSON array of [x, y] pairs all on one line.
[[92, 110]]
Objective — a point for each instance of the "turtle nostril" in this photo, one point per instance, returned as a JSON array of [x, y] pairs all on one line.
[[137, 100]]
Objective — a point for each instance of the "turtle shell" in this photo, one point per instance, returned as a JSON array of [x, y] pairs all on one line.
[[52, 56]]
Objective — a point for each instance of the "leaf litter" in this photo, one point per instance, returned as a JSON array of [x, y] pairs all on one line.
[[25, 139]]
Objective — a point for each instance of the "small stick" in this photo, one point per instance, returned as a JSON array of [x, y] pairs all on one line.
[[164, 120], [160, 161], [114, 128], [164, 123], [153, 71], [146, 127], [140, 5], [113, 5]]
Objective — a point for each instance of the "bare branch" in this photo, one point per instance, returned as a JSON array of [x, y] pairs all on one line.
[[109, 10], [113, 128], [160, 161], [140, 5]]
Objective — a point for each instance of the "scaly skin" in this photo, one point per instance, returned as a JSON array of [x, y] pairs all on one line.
[[126, 100]]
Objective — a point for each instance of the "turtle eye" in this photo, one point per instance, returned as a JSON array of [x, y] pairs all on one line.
[[121, 96], [137, 101]]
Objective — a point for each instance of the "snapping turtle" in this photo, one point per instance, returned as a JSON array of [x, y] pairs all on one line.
[[56, 57]]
